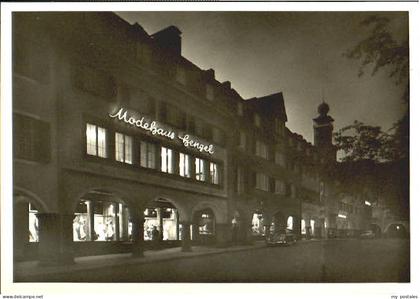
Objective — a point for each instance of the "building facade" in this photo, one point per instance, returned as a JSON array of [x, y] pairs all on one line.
[[122, 144]]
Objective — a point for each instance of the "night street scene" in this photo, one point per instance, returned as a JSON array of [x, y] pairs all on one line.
[[211, 147]]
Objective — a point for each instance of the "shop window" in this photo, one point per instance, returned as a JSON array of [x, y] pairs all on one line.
[[312, 226], [214, 173], [290, 223], [240, 180], [33, 224], [303, 227], [257, 224], [257, 120], [261, 149], [81, 222], [157, 219], [123, 148], [184, 165], [96, 141], [166, 160], [279, 158], [209, 92], [199, 170], [104, 221], [147, 155], [206, 223], [31, 139], [262, 182]]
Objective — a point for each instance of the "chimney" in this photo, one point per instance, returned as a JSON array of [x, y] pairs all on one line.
[[226, 84], [169, 39]]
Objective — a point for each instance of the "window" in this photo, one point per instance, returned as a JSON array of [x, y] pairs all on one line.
[[31, 139], [181, 76], [209, 92], [240, 109], [261, 149], [240, 180], [290, 223], [279, 158], [123, 148], [214, 173], [242, 140], [96, 141], [257, 120], [147, 155], [199, 170], [262, 182], [279, 187], [184, 165], [167, 161]]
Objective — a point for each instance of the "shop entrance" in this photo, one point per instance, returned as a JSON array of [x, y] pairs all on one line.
[[161, 222], [204, 227]]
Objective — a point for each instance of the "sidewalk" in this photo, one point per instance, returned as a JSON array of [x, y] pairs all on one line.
[[31, 269]]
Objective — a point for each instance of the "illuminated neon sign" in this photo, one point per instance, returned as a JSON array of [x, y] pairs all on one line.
[[155, 129]]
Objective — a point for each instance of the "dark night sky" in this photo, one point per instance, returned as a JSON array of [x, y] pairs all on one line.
[[298, 53]]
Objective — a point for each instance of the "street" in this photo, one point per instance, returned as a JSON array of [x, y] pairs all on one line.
[[382, 260]]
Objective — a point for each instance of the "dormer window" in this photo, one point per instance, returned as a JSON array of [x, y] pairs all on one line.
[[181, 75], [257, 120], [240, 109]]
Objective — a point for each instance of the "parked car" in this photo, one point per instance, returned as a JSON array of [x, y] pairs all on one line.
[[281, 238], [368, 234]]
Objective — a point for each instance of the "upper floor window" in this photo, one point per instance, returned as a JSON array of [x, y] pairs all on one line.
[[184, 165], [257, 120], [261, 149], [242, 140], [96, 141], [240, 180], [209, 92], [279, 158], [199, 170], [31, 138], [147, 154], [262, 182], [166, 160], [181, 75], [279, 187], [240, 109], [214, 173], [123, 148]]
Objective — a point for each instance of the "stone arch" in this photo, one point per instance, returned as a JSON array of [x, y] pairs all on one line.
[[404, 231], [180, 206], [23, 195], [219, 213]]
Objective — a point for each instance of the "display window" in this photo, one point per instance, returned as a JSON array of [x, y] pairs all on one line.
[[104, 221], [257, 224], [303, 227], [160, 223], [290, 223], [33, 224]]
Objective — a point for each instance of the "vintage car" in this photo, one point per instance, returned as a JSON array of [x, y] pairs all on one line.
[[285, 237], [367, 235]]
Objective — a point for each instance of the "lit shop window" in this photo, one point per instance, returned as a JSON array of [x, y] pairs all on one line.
[[312, 226], [214, 173], [303, 227], [184, 165], [81, 222], [96, 141], [257, 224], [262, 182], [257, 120], [290, 222], [261, 149], [206, 223], [167, 158], [123, 148], [147, 154], [33, 224], [209, 92], [279, 187], [104, 221], [279, 159], [164, 218], [199, 170]]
